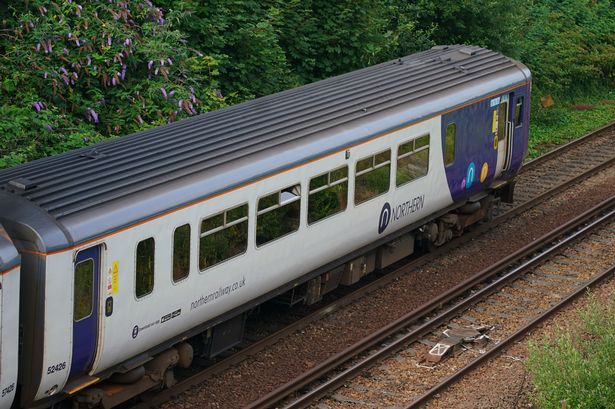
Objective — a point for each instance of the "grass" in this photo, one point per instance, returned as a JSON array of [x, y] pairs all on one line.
[[568, 120], [577, 364]]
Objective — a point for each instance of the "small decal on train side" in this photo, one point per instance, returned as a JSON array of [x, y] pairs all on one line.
[[389, 213], [471, 172], [137, 329], [113, 278], [494, 102], [170, 316], [56, 368], [8, 389], [220, 292], [484, 172]]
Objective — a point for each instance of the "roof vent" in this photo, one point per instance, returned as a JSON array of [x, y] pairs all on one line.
[[468, 51], [20, 185], [93, 154]]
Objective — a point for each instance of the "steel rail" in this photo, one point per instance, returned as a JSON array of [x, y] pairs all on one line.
[[491, 353], [395, 327]]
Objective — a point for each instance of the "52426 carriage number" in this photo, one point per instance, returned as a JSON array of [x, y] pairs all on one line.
[[56, 368], [8, 389]]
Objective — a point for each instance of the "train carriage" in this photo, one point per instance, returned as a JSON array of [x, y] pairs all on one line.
[[9, 318], [140, 251]]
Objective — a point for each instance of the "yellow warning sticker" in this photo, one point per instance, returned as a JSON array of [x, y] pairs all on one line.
[[115, 270], [494, 124]]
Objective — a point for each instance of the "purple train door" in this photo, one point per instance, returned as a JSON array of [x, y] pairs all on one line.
[[502, 127], [86, 286]]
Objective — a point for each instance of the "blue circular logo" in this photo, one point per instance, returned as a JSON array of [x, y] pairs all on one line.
[[470, 175], [385, 218], [135, 331]]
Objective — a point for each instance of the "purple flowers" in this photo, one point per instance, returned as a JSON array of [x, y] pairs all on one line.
[[92, 115], [164, 92], [38, 106]]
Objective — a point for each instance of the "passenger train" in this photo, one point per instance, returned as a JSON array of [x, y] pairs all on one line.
[[124, 260]]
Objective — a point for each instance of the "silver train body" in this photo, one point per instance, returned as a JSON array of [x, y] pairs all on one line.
[[97, 229]]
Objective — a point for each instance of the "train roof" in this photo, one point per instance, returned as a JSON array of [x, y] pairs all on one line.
[[98, 189], [9, 258]]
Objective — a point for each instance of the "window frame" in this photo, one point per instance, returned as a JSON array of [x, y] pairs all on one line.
[[326, 186], [218, 229], [414, 151], [519, 101], [447, 164], [92, 292], [137, 297], [173, 253], [372, 168], [259, 212]]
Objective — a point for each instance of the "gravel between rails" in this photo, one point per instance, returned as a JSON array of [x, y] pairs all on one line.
[[503, 382], [394, 382], [304, 349]]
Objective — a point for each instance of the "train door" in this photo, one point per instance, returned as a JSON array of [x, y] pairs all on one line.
[[86, 287], [503, 135]]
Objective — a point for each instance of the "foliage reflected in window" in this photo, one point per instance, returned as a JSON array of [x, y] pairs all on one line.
[[449, 144], [502, 118], [328, 194], [372, 176], [519, 112], [181, 253], [412, 160], [223, 236], [84, 286], [144, 271], [278, 214]]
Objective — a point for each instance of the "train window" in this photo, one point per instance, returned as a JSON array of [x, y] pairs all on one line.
[[328, 194], [223, 236], [181, 253], [278, 214], [144, 271], [519, 112], [372, 176], [84, 294], [412, 160], [449, 144]]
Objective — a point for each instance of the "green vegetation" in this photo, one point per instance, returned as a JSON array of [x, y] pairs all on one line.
[[568, 120], [73, 73], [577, 364]]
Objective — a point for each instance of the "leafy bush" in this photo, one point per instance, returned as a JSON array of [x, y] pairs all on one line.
[[71, 74], [577, 365], [568, 45]]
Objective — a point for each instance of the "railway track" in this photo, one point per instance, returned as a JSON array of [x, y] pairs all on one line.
[[528, 194], [537, 286]]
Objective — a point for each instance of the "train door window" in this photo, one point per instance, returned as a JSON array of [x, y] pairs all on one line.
[[181, 253], [328, 194], [278, 214], [84, 289], [412, 160], [223, 236], [372, 176], [449, 144], [519, 112], [144, 269]]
